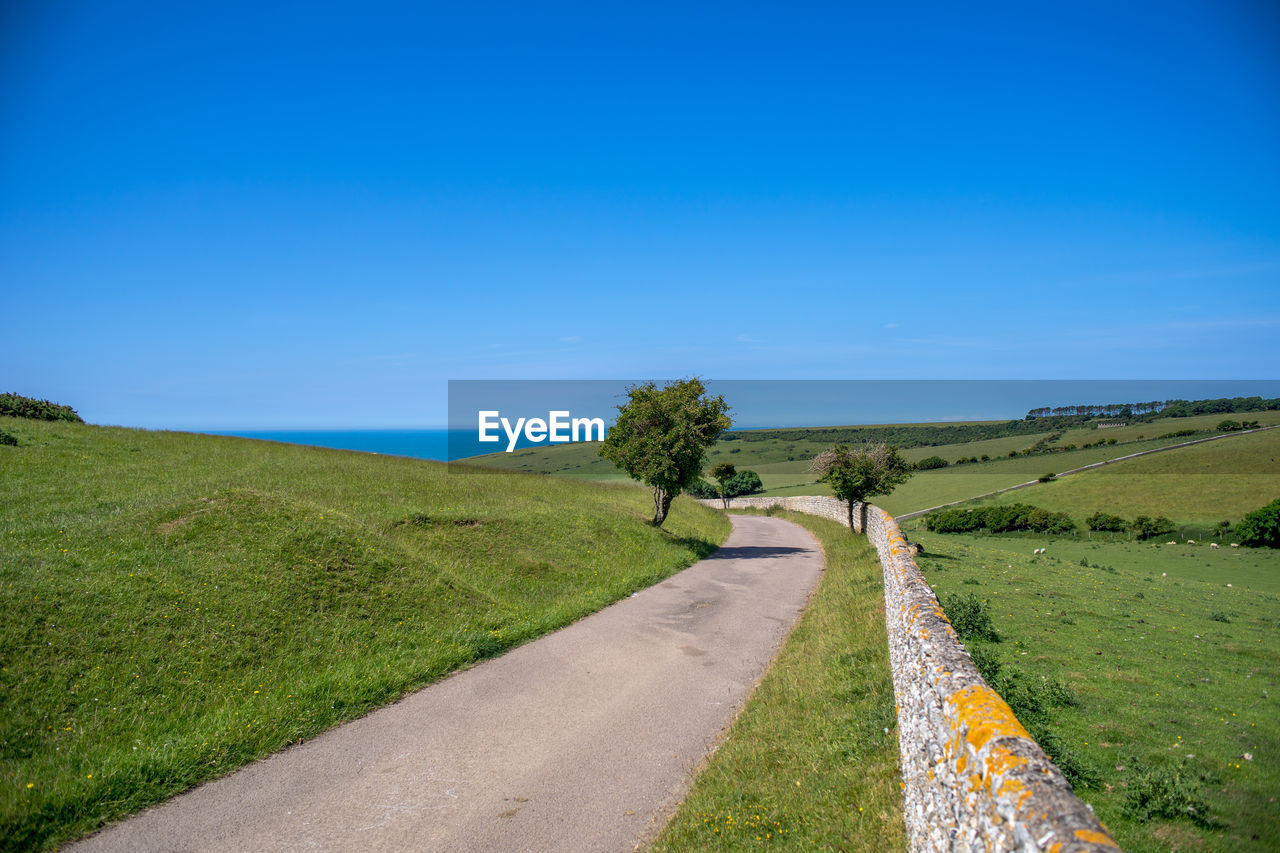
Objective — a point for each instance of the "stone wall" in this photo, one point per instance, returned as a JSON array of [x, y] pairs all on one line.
[[973, 778]]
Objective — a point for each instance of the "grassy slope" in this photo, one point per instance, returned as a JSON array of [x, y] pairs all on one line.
[[812, 760], [1161, 426], [176, 605], [1204, 483], [1162, 683]]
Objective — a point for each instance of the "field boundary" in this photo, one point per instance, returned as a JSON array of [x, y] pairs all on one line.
[[973, 777], [917, 513]]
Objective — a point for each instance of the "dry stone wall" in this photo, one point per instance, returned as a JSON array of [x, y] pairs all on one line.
[[973, 777]]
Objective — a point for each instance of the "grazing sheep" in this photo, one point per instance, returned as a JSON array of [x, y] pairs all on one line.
[[1235, 544], [1171, 543], [1191, 541], [1213, 544]]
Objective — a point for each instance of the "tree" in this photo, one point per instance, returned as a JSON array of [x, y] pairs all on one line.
[[722, 474], [662, 435], [1145, 527], [857, 473], [1261, 528]]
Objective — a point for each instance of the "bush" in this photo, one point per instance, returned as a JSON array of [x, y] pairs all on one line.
[[1229, 425], [1045, 478], [969, 616], [1106, 523], [8, 440], [1148, 528], [1261, 528], [953, 521], [931, 462], [743, 483], [17, 406], [999, 519], [1166, 793], [703, 489]]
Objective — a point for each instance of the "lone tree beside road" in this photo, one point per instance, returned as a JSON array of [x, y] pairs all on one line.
[[722, 474], [857, 473], [662, 435]]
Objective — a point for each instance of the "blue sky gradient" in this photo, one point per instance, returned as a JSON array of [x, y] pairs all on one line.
[[276, 215]]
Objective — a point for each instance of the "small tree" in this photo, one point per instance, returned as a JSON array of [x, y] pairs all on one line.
[[857, 473], [662, 435], [1145, 527], [1261, 528], [722, 474]]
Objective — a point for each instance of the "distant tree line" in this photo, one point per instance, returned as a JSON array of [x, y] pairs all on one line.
[[1159, 408]]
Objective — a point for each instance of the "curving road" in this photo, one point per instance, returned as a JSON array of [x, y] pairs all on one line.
[[583, 740]]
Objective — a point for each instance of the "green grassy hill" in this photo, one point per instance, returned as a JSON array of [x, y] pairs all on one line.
[[1201, 484], [177, 605]]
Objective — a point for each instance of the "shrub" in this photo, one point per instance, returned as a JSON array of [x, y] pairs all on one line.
[[931, 462], [1166, 793], [970, 618], [1261, 528], [1044, 478], [1229, 425], [8, 440], [953, 521], [1148, 528], [703, 489], [1107, 523], [17, 406], [999, 519]]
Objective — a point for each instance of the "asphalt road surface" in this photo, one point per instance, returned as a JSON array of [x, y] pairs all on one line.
[[586, 739]]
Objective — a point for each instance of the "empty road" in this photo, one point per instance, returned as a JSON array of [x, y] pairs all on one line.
[[583, 740]]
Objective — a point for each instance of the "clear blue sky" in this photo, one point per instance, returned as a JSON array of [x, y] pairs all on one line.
[[235, 215]]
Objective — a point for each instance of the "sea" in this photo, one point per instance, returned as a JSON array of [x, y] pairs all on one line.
[[442, 445]]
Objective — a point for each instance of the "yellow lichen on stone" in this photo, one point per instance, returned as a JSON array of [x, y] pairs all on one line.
[[1095, 837], [985, 714]]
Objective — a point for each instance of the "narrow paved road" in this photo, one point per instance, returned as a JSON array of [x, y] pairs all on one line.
[[583, 740]]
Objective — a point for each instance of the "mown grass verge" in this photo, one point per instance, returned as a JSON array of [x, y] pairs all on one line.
[[174, 606], [1167, 659], [812, 760]]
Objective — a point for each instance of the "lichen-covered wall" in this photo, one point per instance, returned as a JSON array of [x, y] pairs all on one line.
[[973, 778]]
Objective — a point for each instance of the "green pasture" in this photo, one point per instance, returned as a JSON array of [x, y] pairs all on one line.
[[1173, 656], [1162, 426], [1202, 484]]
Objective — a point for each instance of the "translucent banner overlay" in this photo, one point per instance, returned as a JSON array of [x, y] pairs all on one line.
[[503, 418]]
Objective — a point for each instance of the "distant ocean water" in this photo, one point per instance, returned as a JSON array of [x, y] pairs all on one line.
[[417, 443]]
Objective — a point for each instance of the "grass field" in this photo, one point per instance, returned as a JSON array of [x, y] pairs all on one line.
[[1173, 653], [176, 605], [1162, 426], [812, 760], [1201, 484]]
